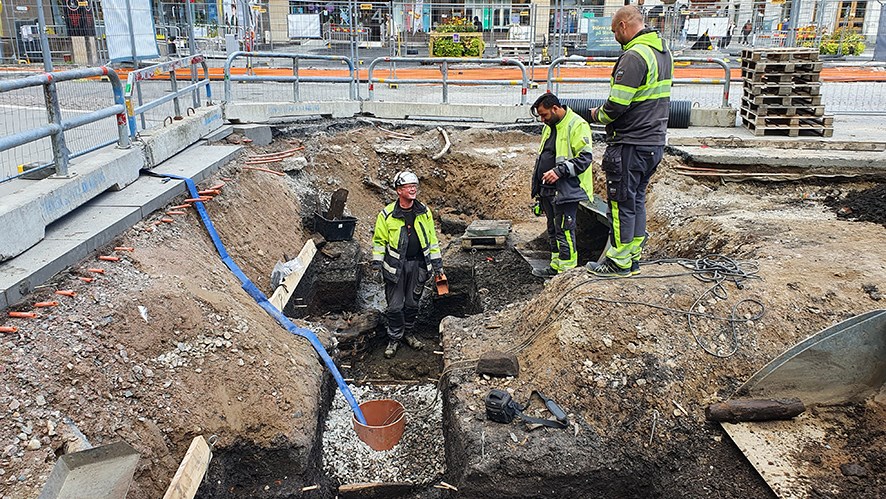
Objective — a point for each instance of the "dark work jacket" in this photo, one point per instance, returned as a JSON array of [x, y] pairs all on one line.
[[636, 111]]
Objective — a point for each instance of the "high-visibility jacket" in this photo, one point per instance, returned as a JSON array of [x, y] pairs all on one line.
[[390, 239], [574, 153], [636, 111]]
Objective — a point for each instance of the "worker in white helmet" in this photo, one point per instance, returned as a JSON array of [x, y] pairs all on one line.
[[406, 252]]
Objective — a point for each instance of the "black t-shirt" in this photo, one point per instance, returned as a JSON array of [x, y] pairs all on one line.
[[547, 160], [413, 247]]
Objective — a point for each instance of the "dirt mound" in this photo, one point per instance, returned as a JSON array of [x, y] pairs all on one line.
[[165, 345], [621, 356]]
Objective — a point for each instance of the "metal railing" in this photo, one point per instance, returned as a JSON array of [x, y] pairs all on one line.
[[296, 79], [444, 70], [57, 126], [703, 81], [135, 78]]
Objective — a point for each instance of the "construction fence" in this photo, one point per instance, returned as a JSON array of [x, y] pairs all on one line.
[[78, 29]]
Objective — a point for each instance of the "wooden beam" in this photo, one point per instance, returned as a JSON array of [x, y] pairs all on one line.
[[284, 291], [190, 473]]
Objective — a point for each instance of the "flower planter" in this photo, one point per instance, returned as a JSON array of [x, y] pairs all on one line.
[[447, 44]]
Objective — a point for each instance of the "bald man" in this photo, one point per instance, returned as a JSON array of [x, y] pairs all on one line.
[[636, 119]]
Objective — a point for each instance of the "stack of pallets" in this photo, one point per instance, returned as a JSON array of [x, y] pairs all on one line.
[[782, 93]]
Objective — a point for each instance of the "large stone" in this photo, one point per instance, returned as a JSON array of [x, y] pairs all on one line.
[[495, 363]]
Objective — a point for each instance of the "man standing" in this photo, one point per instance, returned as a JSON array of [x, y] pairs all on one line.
[[406, 252], [636, 119], [562, 178]]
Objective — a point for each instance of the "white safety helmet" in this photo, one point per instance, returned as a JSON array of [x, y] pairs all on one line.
[[405, 178]]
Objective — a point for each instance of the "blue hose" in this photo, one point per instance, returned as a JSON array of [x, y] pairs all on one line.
[[263, 302]]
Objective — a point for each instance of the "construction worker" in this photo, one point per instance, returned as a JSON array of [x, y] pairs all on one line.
[[562, 178], [406, 252], [636, 119]]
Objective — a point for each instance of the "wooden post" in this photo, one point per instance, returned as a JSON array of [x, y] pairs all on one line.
[[735, 411], [191, 471], [337, 204]]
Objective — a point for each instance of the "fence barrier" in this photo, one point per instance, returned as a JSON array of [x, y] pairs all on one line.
[[444, 69], [704, 81], [137, 76], [58, 126], [351, 79]]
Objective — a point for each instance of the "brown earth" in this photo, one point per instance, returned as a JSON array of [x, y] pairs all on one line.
[[208, 361]]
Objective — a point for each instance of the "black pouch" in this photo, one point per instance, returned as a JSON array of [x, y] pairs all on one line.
[[500, 407], [614, 169]]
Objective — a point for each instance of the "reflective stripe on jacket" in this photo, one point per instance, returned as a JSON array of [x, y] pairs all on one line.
[[574, 154], [636, 111], [390, 239]]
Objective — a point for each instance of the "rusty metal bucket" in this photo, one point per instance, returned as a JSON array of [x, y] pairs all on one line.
[[385, 422]]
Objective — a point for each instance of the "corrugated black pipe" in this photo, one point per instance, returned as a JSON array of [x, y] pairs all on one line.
[[678, 115]]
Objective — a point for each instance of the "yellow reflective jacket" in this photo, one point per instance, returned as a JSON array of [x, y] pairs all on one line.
[[390, 239], [574, 153]]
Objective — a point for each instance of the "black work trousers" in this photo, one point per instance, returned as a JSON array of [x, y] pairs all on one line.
[[561, 233], [628, 169], [403, 297]]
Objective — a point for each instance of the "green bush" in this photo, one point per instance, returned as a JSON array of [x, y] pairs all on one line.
[[445, 47], [846, 41], [474, 47]]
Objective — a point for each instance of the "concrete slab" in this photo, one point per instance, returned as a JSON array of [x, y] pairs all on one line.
[[263, 112], [31, 206], [162, 143], [67, 242], [97, 222], [464, 112], [807, 159], [151, 193], [261, 135]]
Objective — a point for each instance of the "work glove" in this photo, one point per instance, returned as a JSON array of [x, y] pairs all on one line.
[[438, 272], [536, 208]]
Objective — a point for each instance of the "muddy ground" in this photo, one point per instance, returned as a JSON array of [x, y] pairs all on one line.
[[201, 359]]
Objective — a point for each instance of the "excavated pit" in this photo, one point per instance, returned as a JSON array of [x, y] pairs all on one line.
[[633, 379]]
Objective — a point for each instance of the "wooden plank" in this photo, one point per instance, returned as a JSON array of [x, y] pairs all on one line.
[[790, 88], [780, 109], [190, 473], [787, 100], [781, 66], [789, 130], [337, 204], [284, 291], [778, 77]]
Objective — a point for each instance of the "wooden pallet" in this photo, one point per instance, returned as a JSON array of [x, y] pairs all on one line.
[[780, 109], [781, 67], [775, 77], [788, 130], [780, 54], [749, 116], [805, 89], [784, 100], [484, 243]]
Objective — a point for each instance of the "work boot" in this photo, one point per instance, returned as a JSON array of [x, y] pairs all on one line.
[[546, 272], [391, 350], [608, 268], [635, 267], [413, 342]]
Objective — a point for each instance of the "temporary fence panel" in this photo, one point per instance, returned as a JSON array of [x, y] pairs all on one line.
[[178, 95], [63, 124], [279, 83]]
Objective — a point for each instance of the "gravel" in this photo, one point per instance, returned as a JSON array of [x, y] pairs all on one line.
[[417, 459]]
